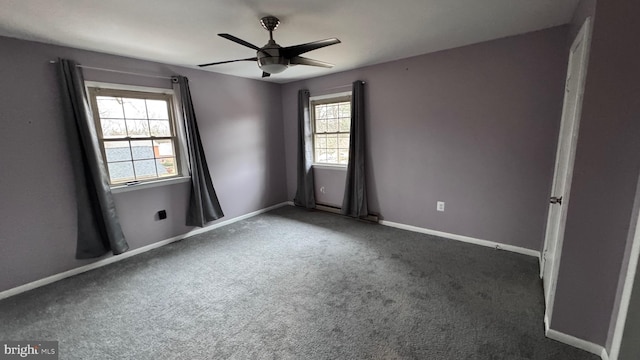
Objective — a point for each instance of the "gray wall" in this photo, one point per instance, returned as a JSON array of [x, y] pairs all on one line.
[[475, 127], [332, 181], [241, 127], [606, 171]]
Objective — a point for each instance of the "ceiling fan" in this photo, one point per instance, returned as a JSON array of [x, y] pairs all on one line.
[[273, 58]]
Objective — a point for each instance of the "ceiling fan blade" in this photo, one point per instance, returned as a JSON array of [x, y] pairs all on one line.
[[229, 61], [239, 41], [265, 74], [295, 50], [299, 60]]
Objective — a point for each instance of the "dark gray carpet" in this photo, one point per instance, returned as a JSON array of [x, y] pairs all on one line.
[[296, 284]]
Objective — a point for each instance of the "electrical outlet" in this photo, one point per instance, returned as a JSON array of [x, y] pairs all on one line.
[[440, 206], [162, 214]]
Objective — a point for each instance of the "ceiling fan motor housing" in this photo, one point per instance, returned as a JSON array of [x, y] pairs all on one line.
[[270, 59]]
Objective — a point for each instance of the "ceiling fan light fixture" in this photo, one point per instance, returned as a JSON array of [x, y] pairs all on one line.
[[273, 68], [272, 65]]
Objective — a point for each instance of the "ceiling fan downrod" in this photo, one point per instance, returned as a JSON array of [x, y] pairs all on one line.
[[270, 23]]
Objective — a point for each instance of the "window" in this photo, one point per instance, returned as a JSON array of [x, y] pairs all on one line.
[[137, 133], [331, 119]]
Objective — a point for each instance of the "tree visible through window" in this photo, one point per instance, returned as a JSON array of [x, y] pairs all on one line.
[[137, 134], [331, 126]]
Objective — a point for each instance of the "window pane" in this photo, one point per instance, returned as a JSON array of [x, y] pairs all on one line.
[[343, 141], [321, 111], [134, 108], [332, 141], [112, 128], [345, 109], [345, 124], [142, 150], [320, 145], [321, 126], [160, 128], [145, 169], [332, 125], [343, 156], [139, 128], [121, 172], [321, 156], [332, 156], [109, 107], [332, 111], [117, 151], [321, 141], [157, 109], [166, 167], [162, 148]]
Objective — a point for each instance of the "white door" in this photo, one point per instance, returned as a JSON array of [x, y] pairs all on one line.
[[565, 155]]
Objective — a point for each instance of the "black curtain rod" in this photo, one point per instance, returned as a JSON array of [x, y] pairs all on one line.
[[336, 87], [117, 71]]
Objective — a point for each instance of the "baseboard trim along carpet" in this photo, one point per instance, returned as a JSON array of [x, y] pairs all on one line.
[[336, 210], [112, 259], [467, 239], [575, 342]]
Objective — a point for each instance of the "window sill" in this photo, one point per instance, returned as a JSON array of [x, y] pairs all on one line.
[[147, 185], [330, 166]]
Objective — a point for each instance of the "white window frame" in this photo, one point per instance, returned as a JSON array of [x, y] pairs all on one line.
[[312, 118], [178, 127]]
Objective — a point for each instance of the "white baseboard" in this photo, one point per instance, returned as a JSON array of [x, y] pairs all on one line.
[[574, 341], [111, 259], [540, 266], [467, 239]]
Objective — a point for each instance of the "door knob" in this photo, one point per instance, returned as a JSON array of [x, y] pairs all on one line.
[[556, 200]]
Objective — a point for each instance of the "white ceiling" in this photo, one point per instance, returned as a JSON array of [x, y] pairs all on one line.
[[183, 32]]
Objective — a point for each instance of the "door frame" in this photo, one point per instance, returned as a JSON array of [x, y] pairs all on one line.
[[627, 289], [583, 36]]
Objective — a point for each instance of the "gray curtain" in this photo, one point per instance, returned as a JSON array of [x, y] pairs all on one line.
[[203, 201], [305, 195], [99, 228], [354, 202]]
